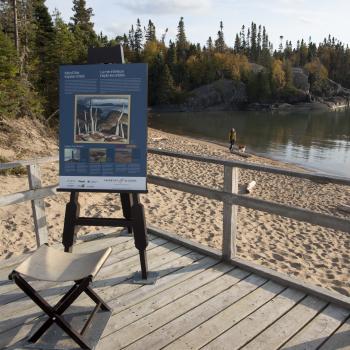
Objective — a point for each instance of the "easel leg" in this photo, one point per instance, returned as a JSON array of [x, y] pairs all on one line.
[[140, 232], [126, 200], [69, 228]]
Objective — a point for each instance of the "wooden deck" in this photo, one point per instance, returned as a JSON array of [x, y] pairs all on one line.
[[198, 302]]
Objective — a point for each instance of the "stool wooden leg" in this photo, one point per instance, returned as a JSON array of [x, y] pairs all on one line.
[[60, 308], [97, 299]]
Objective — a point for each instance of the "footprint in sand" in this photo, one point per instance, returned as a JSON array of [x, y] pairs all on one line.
[[278, 257]]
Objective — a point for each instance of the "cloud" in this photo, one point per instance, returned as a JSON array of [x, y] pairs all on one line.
[[165, 6], [307, 20], [117, 28]]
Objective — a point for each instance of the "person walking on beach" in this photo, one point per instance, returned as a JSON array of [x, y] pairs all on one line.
[[232, 138]]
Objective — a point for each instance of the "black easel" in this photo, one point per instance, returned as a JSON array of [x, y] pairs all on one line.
[[133, 210]]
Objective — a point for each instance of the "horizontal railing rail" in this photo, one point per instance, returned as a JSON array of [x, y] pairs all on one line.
[[319, 178], [17, 163], [287, 211]]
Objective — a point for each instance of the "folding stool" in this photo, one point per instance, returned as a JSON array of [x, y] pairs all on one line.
[[48, 264]]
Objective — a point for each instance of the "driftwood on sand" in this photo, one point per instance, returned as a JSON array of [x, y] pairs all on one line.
[[344, 207]]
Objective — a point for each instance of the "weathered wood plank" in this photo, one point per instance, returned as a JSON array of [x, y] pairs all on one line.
[[278, 277], [340, 339], [174, 264], [247, 329], [288, 325], [318, 330], [20, 197], [147, 291], [229, 214], [38, 206], [299, 214], [219, 320], [299, 284], [140, 328], [252, 166], [161, 299], [17, 163], [211, 319]]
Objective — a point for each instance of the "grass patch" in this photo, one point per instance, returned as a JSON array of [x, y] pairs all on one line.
[[18, 170]]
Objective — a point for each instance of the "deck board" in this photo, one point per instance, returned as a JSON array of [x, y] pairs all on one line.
[[288, 325], [197, 302], [256, 322], [319, 329], [340, 339], [221, 319]]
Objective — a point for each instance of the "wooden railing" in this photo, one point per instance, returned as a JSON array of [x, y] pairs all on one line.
[[228, 195], [35, 194]]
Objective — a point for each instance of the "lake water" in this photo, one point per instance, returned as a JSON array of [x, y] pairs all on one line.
[[316, 140]]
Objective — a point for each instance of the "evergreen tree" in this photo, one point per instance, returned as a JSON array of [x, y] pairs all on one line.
[[150, 32], [83, 28], [171, 58], [238, 46], [242, 38], [210, 44], [138, 39], [181, 41], [259, 44], [166, 88], [220, 45], [131, 38], [16, 96], [248, 45], [253, 43], [280, 48], [82, 16], [44, 76], [154, 76]]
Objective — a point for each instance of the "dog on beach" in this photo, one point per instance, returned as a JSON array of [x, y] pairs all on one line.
[[241, 148]]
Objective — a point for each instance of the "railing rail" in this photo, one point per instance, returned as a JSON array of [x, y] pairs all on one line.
[[319, 178]]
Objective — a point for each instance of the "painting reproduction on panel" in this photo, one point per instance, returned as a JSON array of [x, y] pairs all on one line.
[[102, 119]]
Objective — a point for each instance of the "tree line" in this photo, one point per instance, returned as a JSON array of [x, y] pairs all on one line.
[[33, 43]]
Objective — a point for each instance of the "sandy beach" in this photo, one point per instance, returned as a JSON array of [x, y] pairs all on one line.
[[318, 255]]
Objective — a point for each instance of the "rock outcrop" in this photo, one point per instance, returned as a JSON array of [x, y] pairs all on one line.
[[301, 79], [225, 94], [222, 94]]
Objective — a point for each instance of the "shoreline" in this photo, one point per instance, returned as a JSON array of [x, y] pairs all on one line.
[[259, 107]]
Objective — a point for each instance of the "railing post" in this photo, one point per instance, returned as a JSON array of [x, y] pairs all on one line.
[[229, 214], [38, 205]]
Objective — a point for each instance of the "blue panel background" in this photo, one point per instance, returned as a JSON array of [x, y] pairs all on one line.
[[134, 84]]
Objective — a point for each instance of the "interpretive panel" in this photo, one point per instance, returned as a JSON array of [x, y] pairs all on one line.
[[103, 127]]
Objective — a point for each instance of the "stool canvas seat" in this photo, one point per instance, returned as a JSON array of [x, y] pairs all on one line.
[[48, 264]]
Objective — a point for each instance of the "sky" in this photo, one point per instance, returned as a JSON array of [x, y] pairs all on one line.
[[293, 19]]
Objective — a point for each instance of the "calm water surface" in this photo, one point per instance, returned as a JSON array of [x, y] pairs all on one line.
[[316, 140]]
